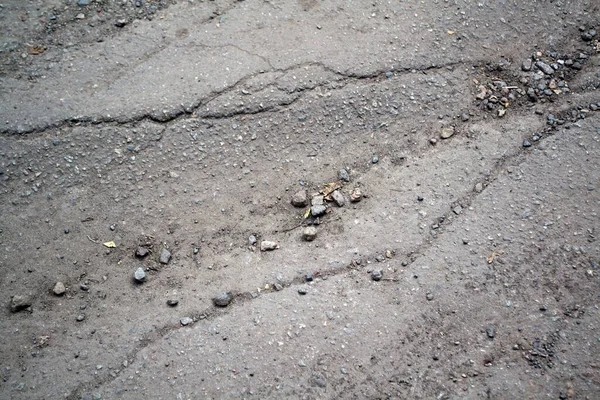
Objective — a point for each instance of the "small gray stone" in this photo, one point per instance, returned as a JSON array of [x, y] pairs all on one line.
[[526, 143], [377, 275], [309, 277], [20, 302], [59, 289], [141, 252], [302, 290], [464, 117], [267, 245], [80, 317], [344, 175], [186, 321], [223, 299], [491, 331], [527, 64], [545, 68], [447, 132], [478, 187], [251, 240], [309, 234], [165, 256], [277, 287], [121, 23], [588, 35], [457, 210], [300, 199], [172, 302], [317, 211], [375, 159], [317, 200], [429, 296], [338, 198], [140, 274]]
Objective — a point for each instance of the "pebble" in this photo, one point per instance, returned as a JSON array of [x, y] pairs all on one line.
[[139, 275], [376, 275], [251, 240], [83, 2], [84, 287], [80, 16], [300, 199], [80, 317], [67, 230], [165, 256], [478, 187], [222, 299], [375, 159], [464, 117], [20, 302], [186, 321], [267, 245], [344, 175], [302, 290], [172, 302], [457, 210], [355, 195], [447, 132], [309, 277], [309, 234], [545, 68], [318, 210], [318, 200], [491, 331], [429, 296], [277, 287], [501, 112], [588, 35], [59, 289], [531, 94], [526, 143], [120, 23], [141, 252], [526, 65], [338, 198]]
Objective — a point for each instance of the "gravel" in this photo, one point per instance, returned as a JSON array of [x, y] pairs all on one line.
[[20, 302], [172, 302], [447, 132], [139, 275], [267, 245], [309, 234], [186, 321], [356, 195], [300, 199], [377, 275], [318, 210], [141, 252], [222, 299], [59, 289], [338, 198], [344, 175], [545, 68], [165, 256]]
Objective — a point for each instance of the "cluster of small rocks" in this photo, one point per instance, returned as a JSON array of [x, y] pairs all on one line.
[[543, 77]]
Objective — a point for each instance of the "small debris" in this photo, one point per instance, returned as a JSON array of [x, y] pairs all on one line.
[[20, 302], [356, 195], [59, 289], [186, 321], [338, 198], [309, 277], [251, 240], [377, 275], [277, 287], [172, 302], [478, 187], [318, 210], [344, 175], [317, 200], [110, 245], [267, 245], [526, 143], [501, 112], [300, 199], [309, 234], [80, 317], [139, 275], [120, 23], [302, 290], [165, 256], [375, 159], [457, 210], [429, 296], [223, 299], [447, 132], [141, 252], [491, 331]]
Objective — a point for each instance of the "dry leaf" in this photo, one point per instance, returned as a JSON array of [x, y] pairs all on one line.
[[35, 50]]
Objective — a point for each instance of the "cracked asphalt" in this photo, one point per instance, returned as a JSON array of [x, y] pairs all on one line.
[[467, 270]]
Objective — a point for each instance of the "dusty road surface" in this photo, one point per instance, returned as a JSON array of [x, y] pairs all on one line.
[[313, 199]]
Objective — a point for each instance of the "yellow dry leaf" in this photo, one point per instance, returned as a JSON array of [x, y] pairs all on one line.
[[110, 244], [307, 213]]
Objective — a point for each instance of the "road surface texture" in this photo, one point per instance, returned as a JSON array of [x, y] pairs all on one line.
[[304, 199]]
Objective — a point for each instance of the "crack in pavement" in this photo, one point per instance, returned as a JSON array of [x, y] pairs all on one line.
[[517, 157]]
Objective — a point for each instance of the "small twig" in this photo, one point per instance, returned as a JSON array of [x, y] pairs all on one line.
[[92, 240]]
